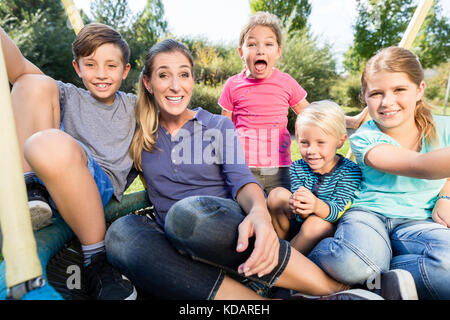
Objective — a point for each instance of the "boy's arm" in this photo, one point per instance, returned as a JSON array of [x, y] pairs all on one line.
[[16, 64]]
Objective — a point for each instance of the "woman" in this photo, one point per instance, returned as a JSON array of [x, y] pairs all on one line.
[[212, 229]]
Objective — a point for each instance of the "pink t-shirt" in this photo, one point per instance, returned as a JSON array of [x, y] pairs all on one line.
[[260, 108]]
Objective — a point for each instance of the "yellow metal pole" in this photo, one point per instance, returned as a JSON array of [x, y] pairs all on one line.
[[408, 38], [74, 15], [19, 245]]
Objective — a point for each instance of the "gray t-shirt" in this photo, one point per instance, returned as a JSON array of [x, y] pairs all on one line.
[[105, 130]]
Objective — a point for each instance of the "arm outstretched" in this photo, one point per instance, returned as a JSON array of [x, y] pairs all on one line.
[[16, 64], [403, 162]]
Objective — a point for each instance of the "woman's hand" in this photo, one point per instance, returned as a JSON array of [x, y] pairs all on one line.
[[441, 212], [265, 253]]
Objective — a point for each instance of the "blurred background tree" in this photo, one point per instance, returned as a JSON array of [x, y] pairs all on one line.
[[43, 33], [382, 23], [40, 29], [293, 14]]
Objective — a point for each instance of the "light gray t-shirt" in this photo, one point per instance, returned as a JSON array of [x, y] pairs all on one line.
[[105, 130]]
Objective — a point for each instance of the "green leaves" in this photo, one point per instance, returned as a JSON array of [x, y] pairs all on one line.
[[293, 14], [382, 23]]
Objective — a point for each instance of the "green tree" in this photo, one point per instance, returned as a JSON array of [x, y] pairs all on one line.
[[42, 31], [293, 14], [141, 30], [382, 23], [312, 66]]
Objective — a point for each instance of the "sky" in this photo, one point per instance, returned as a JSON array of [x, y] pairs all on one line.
[[220, 21]]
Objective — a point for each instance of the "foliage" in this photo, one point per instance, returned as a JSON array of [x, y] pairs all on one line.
[[141, 30], [206, 97], [213, 64], [43, 35], [313, 67], [437, 85], [382, 23], [293, 14], [346, 91]]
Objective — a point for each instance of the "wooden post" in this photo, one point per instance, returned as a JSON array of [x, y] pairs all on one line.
[[446, 95], [415, 23], [74, 15], [19, 245]]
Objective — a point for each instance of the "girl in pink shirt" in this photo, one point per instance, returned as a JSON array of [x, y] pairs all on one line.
[[257, 100]]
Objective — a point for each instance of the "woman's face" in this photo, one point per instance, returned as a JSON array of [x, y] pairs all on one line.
[[171, 83]]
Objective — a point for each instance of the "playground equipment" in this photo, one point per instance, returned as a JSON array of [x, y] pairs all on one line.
[[26, 255]]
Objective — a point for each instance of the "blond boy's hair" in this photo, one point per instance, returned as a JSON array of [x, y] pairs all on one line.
[[325, 114], [261, 19]]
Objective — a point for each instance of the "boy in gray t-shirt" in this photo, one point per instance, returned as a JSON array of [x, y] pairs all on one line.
[[75, 142]]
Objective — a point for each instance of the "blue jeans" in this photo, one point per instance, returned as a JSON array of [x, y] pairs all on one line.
[[190, 257], [366, 243]]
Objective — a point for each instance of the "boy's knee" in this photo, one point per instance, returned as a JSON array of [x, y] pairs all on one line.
[[277, 198], [36, 87], [315, 226], [53, 149]]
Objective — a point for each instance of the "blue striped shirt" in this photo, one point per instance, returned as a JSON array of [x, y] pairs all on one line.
[[336, 188]]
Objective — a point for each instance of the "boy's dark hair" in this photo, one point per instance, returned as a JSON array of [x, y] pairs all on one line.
[[94, 35]]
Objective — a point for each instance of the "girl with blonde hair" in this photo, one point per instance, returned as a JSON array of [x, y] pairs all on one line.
[[400, 217]]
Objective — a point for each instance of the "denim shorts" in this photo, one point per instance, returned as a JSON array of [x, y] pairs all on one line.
[[271, 178], [104, 184]]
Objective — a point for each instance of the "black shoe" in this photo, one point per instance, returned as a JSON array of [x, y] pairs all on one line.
[[395, 284], [106, 283], [353, 294], [38, 203]]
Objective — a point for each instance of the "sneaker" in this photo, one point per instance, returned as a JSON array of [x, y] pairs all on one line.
[[352, 294], [395, 284], [38, 203], [106, 283]]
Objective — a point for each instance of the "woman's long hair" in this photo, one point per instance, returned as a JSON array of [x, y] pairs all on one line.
[[396, 59], [147, 111]]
